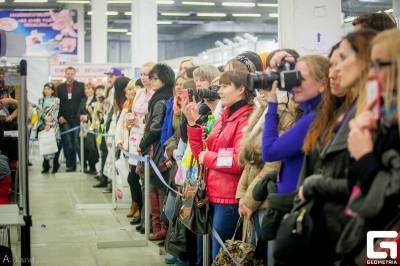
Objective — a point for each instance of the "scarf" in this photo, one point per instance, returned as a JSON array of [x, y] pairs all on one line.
[[389, 111]]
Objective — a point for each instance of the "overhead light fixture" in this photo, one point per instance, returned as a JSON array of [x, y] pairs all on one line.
[[274, 15], [118, 2], [30, 1], [129, 33], [117, 30], [211, 15], [108, 13], [128, 13], [165, 2], [175, 14], [73, 2], [238, 4], [267, 5], [163, 22], [349, 19], [389, 10], [243, 15], [196, 3]]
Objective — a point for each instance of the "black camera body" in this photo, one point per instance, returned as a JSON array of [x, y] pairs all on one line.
[[286, 76], [210, 93]]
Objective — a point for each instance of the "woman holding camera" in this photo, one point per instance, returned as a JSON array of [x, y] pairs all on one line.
[[374, 144], [222, 148]]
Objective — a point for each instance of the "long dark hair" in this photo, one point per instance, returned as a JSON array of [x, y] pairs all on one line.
[[167, 77], [119, 92], [52, 87]]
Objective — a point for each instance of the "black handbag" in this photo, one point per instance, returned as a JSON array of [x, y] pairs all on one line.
[[295, 233], [176, 241], [195, 212]]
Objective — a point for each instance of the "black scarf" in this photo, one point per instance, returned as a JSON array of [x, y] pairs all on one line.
[[163, 93]]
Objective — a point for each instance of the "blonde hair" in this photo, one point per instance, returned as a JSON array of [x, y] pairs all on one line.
[[149, 64], [207, 72], [318, 66], [131, 85], [390, 39]]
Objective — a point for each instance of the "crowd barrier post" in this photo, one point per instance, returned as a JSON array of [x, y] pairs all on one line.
[[81, 132], [146, 197], [114, 173], [206, 250]]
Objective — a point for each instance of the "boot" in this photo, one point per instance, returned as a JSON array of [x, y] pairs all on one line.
[[46, 166], [102, 183], [132, 210], [155, 215], [160, 235]]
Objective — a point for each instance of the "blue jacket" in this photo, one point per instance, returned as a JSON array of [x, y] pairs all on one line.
[[167, 130]]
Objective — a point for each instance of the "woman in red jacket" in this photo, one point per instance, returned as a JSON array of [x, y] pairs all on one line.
[[221, 155]]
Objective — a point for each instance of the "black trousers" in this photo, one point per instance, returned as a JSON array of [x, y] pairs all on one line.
[[46, 163], [135, 187], [91, 155], [103, 154]]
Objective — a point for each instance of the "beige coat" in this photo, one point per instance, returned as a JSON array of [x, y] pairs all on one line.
[[250, 151]]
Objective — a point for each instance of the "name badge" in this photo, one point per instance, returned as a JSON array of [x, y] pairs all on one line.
[[69, 96], [225, 158]]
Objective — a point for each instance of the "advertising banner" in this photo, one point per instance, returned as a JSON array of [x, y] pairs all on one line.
[[47, 33]]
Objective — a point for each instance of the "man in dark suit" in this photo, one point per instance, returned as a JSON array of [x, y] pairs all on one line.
[[71, 93]]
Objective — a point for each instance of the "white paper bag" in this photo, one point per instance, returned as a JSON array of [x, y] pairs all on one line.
[[123, 193], [47, 142]]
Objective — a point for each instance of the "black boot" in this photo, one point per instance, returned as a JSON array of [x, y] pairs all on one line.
[[56, 166], [102, 183], [46, 166]]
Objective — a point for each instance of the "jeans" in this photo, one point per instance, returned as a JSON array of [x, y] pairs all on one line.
[[70, 143], [225, 218]]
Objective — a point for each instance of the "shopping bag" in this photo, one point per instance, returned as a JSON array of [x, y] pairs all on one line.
[[47, 142], [109, 167], [122, 189]]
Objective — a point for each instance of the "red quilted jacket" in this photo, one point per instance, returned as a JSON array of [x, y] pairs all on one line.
[[221, 183]]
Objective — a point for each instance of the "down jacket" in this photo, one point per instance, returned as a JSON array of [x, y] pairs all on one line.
[[221, 183]]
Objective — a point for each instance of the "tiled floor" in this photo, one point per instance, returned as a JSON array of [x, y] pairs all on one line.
[[63, 235]]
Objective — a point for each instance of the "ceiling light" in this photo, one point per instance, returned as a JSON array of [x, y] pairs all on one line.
[[274, 15], [175, 14], [242, 15], [30, 1], [238, 4], [129, 33], [211, 14], [108, 13], [165, 2], [195, 3], [117, 30], [164, 22], [73, 2], [128, 13], [267, 5], [389, 10], [118, 2], [349, 19]]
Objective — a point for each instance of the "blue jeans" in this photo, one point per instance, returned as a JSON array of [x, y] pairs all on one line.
[[70, 143], [225, 218]]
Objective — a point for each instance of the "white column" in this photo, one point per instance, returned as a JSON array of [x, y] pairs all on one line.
[[309, 27], [99, 31], [144, 32], [396, 11]]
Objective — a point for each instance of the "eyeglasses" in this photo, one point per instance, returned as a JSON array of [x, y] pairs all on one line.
[[379, 65], [154, 78]]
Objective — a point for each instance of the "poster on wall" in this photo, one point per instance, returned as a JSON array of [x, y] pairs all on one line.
[[47, 33]]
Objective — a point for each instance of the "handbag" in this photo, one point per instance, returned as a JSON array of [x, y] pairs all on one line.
[[195, 212], [175, 240], [47, 142], [169, 206], [295, 233], [241, 250]]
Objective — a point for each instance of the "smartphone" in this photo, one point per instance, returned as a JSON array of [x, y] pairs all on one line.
[[373, 91], [185, 95]]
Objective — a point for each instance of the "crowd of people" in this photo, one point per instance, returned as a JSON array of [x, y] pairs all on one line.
[[325, 148]]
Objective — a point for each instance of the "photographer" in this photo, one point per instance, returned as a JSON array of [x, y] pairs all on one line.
[[221, 156], [323, 177]]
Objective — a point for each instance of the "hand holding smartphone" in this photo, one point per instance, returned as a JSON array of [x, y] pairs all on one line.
[[185, 95], [373, 93]]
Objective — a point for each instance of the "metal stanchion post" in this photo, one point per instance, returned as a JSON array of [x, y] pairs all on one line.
[[146, 198], [82, 149], [206, 250], [113, 150]]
